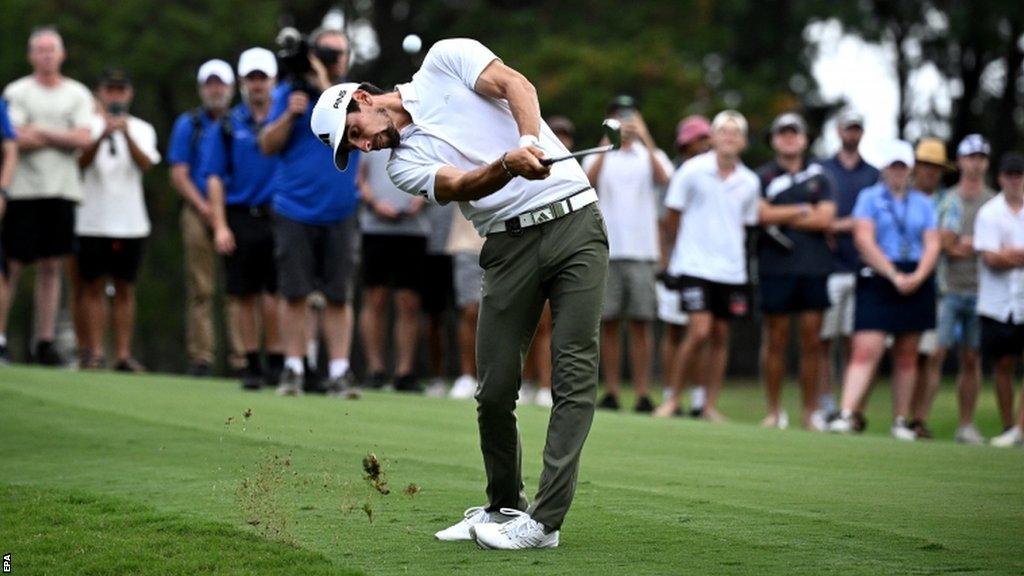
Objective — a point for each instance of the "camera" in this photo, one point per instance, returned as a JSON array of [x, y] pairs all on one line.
[[293, 58], [117, 108]]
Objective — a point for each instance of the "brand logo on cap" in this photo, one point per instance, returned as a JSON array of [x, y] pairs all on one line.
[[325, 138], [341, 96]]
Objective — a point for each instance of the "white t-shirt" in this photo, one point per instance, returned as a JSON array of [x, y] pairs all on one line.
[[1000, 292], [628, 198], [453, 125], [710, 242], [113, 202], [48, 172]]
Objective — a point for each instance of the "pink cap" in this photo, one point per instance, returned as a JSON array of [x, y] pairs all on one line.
[[691, 128]]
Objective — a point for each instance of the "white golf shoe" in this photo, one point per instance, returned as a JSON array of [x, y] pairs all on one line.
[[518, 533], [1010, 438], [461, 531], [464, 388], [969, 435], [842, 424], [901, 431]]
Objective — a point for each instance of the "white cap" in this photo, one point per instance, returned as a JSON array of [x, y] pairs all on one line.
[[218, 68], [257, 60], [973, 144], [897, 151], [328, 120]]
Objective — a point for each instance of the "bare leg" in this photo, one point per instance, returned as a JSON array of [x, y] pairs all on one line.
[[246, 322], [123, 318], [904, 368], [47, 297], [773, 362], [91, 303], [611, 358], [10, 288], [1004, 369], [79, 315], [338, 330], [719, 358], [868, 347], [969, 384], [467, 339], [435, 344], [927, 384], [697, 334], [372, 322], [270, 308], [294, 327], [407, 308], [671, 336], [640, 355], [810, 329]]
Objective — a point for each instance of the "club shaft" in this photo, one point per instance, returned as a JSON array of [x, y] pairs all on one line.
[[580, 154]]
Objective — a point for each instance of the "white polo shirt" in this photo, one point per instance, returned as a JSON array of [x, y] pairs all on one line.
[[453, 125], [710, 242], [1000, 292], [113, 201], [628, 198]]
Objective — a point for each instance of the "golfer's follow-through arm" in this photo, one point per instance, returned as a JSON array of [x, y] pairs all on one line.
[[499, 81]]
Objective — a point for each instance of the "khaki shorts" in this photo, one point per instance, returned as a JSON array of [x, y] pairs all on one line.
[[630, 293], [838, 319]]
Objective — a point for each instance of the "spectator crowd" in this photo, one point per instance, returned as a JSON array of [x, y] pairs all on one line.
[[861, 259]]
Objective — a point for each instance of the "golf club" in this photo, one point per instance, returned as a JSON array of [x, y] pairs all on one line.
[[612, 130]]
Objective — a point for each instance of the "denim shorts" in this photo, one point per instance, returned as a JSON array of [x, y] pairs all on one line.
[[958, 321]]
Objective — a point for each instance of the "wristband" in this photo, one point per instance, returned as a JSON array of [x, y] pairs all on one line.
[[505, 166], [527, 140]]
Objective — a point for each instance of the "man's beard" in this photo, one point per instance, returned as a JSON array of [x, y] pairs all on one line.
[[390, 132], [850, 146]]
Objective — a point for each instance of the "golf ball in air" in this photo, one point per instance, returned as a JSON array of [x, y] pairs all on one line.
[[412, 44]]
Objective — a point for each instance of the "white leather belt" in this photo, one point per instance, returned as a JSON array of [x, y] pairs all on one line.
[[552, 211]]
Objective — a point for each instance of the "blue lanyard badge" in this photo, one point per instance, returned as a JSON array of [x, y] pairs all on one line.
[[906, 242]]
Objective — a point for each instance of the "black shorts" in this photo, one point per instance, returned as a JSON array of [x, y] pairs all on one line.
[[787, 294], [1001, 339], [251, 268], [724, 301], [437, 291], [878, 306], [118, 258], [315, 257], [40, 228], [394, 261]]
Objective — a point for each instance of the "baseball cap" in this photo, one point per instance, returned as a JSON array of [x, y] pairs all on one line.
[[932, 150], [257, 60], [850, 117], [897, 151], [328, 120], [973, 144], [1011, 162], [218, 68], [561, 124], [789, 120], [621, 102], [692, 128], [114, 77]]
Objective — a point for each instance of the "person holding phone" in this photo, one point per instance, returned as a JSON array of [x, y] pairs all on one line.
[[111, 222]]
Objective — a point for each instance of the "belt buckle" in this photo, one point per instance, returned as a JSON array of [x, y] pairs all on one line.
[[514, 226], [543, 215]]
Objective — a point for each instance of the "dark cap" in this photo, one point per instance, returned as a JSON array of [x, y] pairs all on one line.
[[1011, 162], [622, 102], [115, 77], [561, 124]]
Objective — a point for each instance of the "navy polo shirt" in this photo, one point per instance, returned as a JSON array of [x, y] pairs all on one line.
[[186, 144], [306, 186], [6, 129], [234, 155], [848, 184]]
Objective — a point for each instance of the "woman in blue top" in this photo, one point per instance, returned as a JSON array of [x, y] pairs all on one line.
[[895, 234]]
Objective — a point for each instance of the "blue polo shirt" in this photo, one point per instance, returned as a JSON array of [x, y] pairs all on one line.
[[306, 187], [6, 129], [234, 155], [848, 184], [186, 144], [899, 224]]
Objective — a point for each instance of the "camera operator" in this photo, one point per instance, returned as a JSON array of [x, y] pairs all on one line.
[[315, 227]]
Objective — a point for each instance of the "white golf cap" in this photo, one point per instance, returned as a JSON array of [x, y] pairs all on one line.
[[218, 68], [257, 60], [973, 144], [328, 120], [897, 151]]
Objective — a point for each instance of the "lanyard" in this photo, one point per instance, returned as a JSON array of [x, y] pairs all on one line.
[[901, 223]]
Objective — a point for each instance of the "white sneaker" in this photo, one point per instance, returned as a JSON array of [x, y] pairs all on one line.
[[901, 431], [460, 532], [698, 395], [527, 394], [436, 389], [518, 533], [1008, 439], [819, 421], [969, 435], [464, 388], [843, 424], [543, 398]]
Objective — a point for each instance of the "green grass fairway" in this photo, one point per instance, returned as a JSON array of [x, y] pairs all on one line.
[[108, 474]]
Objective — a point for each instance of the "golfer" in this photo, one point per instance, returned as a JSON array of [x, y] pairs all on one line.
[[468, 129]]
